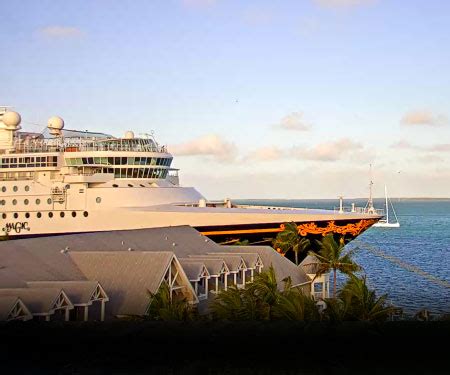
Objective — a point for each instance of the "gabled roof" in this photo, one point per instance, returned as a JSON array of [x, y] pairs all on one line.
[[250, 259], [12, 307], [194, 270], [283, 266], [215, 266], [80, 292], [234, 262], [39, 301], [310, 264], [128, 277]]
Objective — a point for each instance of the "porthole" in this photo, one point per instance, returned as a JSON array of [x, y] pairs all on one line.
[[27, 188], [49, 200], [85, 214], [61, 214], [3, 188], [50, 214], [115, 185], [2, 202], [141, 185], [74, 214], [4, 216], [27, 215], [26, 201], [130, 185], [39, 215], [15, 188], [98, 200], [38, 201], [16, 215], [14, 201]]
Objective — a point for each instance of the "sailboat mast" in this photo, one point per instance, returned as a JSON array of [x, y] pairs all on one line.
[[387, 207], [370, 207]]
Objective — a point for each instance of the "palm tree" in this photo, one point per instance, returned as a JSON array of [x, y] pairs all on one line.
[[363, 304], [331, 256], [289, 239], [294, 305], [165, 307]]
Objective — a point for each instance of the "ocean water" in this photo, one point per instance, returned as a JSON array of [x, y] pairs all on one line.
[[422, 241]]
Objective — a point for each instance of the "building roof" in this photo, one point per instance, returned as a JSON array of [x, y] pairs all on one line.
[[11, 304], [194, 270], [233, 262], [128, 277], [79, 292], [215, 266], [310, 264], [283, 266], [38, 301]]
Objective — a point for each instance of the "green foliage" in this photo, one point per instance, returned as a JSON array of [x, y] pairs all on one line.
[[332, 257], [163, 307], [289, 239], [262, 300], [362, 303]]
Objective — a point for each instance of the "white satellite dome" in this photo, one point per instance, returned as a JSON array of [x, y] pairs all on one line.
[[12, 120], [55, 124], [129, 135]]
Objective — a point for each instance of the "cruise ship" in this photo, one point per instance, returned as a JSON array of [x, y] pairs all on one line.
[[64, 181]]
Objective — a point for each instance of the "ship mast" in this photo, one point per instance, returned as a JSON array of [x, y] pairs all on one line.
[[370, 207]]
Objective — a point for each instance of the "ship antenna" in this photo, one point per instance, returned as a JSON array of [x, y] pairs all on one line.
[[370, 207]]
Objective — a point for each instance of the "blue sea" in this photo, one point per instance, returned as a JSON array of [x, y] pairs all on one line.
[[422, 241]]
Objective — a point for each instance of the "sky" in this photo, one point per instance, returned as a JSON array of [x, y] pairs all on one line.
[[255, 99]]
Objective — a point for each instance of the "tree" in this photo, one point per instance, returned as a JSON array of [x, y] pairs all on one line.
[[362, 303], [294, 305], [331, 256], [163, 306], [289, 239]]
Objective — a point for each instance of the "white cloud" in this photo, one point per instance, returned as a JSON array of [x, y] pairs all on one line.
[[294, 121], [328, 151], [212, 146], [269, 153], [342, 3], [424, 118], [61, 32]]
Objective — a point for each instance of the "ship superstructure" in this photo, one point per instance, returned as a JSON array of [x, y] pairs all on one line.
[[66, 181]]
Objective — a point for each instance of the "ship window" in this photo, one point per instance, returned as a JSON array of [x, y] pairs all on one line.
[[117, 161], [49, 201], [39, 215], [61, 214], [111, 161], [15, 188], [135, 172], [123, 161], [98, 160], [16, 215], [85, 161], [4, 216], [74, 214], [85, 214], [98, 199], [38, 201], [50, 214], [115, 185], [141, 185], [27, 188], [14, 201], [27, 215], [129, 173], [130, 185], [3, 188], [131, 160], [2, 202], [117, 173], [26, 201]]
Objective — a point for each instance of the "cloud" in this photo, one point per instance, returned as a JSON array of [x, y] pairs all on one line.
[[61, 32], [269, 153], [211, 146], [404, 145], [342, 3], [294, 121], [423, 118], [198, 3], [328, 151], [441, 147]]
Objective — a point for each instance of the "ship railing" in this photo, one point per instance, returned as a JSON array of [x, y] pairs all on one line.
[[359, 210], [268, 207]]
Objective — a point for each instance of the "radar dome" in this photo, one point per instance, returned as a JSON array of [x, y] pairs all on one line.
[[11, 119], [129, 135], [55, 124]]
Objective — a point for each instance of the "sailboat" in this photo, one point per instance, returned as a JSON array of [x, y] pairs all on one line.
[[384, 223]]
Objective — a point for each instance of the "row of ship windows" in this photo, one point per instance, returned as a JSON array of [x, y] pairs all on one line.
[[39, 214], [29, 162], [137, 172], [15, 188], [165, 162], [38, 201]]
